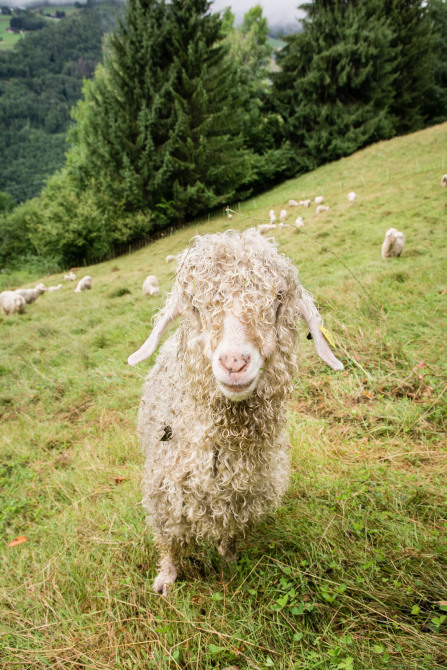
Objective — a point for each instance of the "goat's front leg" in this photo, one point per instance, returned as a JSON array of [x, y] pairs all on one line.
[[168, 567]]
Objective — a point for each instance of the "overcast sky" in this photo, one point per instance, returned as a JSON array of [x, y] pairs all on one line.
[[277, 12]]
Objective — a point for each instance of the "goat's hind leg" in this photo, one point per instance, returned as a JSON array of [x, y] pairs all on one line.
[[169, 566]]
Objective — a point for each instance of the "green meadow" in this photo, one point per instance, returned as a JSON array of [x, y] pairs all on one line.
[[8, 40], [351, 572]]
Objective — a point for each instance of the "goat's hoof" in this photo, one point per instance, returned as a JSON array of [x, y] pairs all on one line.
[[163, 582]]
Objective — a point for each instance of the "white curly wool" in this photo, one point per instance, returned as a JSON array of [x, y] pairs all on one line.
[[305, 203], [322, 208], [293, 203], [213, 413], [70, 276], [319, 199], [299, 222], [393, 243]]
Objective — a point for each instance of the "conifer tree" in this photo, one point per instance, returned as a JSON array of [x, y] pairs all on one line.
[[435, 95], [205, 163], [412, 42], [159, 126], [335, 87], [124, 119]]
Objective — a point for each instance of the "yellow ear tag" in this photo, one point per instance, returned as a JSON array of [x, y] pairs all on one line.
[[328, 335]]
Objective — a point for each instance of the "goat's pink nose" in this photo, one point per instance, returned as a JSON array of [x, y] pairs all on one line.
[[234, 361]]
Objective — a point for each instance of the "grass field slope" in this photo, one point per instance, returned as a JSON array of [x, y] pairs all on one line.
[[351, 572]]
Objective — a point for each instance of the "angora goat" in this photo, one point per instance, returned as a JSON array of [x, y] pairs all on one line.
[[84, 284], [150, 285], [31, 294], [212, 418], [11, 302], [393, 243]]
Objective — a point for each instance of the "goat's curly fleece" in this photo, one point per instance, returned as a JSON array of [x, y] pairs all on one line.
[[214, 466]]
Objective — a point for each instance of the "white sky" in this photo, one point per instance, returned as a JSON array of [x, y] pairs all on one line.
[[276, 11]]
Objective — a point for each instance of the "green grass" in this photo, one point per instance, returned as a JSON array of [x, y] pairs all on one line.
[[351, 572], [8, 39], [52, 9], [276, 43]]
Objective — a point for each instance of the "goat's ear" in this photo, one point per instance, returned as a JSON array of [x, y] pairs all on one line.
[[310, 316], [169, 313]]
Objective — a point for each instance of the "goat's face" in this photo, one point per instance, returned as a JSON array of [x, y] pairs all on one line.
[[237, 338], [239, 301], [236, 361], [237, 358]]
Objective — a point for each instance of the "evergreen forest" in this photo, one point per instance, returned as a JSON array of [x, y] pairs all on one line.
[[172, 112], [40, 81]]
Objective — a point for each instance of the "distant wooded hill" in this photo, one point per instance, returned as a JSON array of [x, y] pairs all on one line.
[[40, 81]]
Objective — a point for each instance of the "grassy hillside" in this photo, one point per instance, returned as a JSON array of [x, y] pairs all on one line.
[[8, 40], [351, 573]]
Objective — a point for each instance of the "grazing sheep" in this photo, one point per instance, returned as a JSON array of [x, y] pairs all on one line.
[[150, 285], [272, 215], [352, 196], [305, 203], [31, 294], [444, 180], [171, 259], [70, 276], [212, 417], [322, 208], [319, 199], [283, 225], [83, 284], [293, 203], [299, 222], [11, 302], [54, 288], [266, 227], [283, 214], [393, 243]]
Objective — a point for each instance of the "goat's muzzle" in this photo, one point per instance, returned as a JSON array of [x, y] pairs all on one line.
[[234, 363]]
